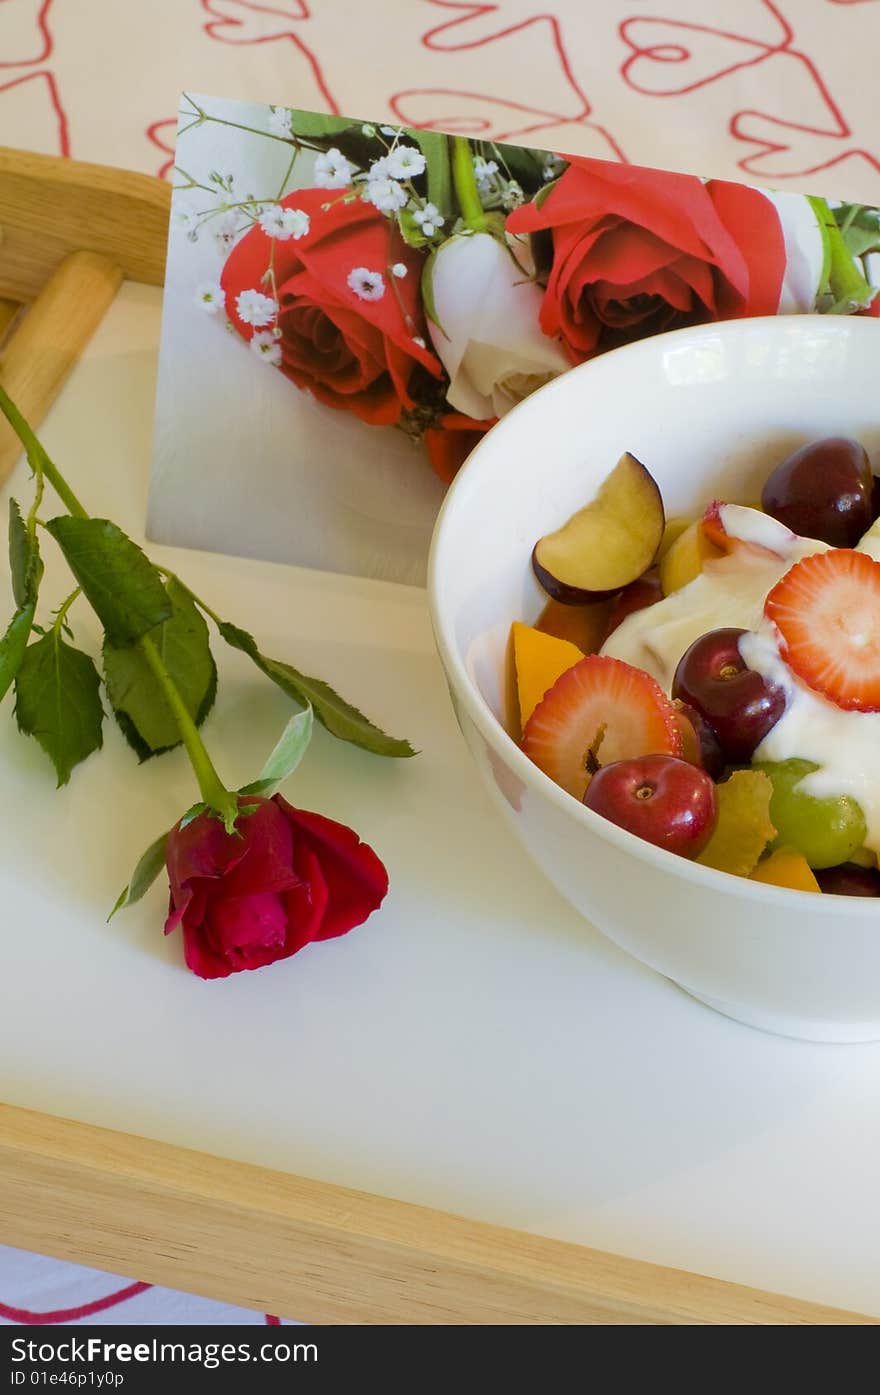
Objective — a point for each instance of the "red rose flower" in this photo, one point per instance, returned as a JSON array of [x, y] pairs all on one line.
[[637, 251], [284, 879], [451, 441], [352, 350]]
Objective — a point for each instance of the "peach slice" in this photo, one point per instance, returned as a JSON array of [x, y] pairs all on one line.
[[607, 544], [687, 557], [785, 867], [540, 659]]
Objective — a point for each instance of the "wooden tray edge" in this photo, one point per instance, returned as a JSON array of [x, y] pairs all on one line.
[[288, 1245]]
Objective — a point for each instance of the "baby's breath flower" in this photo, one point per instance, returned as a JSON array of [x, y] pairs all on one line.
[[386, 195], [266, 347], [225, 231], [399, 270], [209, 295], [484, 170], [389, 130], [186, 218], [405, 162], [332, 170], [280, 122], [284, 223], [428, 219], [513, 195], [256, 309], [368, 130], [379, 169], [366, 284]]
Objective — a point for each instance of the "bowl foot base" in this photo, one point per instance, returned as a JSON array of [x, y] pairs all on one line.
[[781, 1025]]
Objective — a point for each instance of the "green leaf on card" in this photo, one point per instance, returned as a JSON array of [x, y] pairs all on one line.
[[140, 706], [143, 876], [24, 558], [524, 165], [332, 711], [119, 581], [314, 125], [57, 701], [286, 756], [13, 646], [410, 230]]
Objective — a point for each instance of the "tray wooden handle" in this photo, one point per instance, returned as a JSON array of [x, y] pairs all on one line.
[[326, 1254], [69, 234], [52, 334]]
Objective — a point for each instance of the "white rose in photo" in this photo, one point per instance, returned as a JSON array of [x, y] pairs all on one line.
[[804, 252], [487, 332]]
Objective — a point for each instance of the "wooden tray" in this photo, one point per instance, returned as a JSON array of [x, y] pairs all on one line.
[[230, 1230]]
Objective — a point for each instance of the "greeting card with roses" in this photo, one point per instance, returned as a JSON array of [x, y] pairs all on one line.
[[350, 305]]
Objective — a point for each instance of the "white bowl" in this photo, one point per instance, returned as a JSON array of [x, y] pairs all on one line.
[[709, 410]]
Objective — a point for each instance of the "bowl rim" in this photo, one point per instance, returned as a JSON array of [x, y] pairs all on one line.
[[488, 725]]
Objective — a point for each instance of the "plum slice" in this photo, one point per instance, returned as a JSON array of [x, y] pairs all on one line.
[[607, 544]]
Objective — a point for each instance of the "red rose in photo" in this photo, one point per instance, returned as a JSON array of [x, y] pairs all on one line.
[[451, 441], [351, 333], [284, 879], [637, 251]]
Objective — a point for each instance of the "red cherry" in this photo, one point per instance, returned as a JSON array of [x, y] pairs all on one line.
[[736, 702], [699, 744], [849, 879], [665, 800], [824, 490]]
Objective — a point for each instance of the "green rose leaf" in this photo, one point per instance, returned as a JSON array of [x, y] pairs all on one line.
[[13, 646], [523, 165], [57, 700], [24, 558], [332, 711], [860, 227], [138, 702], [143, 876], [313, 125], [286, 756], [410, 230], [120, 582]]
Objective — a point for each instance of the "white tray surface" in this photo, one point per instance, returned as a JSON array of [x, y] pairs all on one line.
[[476, 1046]]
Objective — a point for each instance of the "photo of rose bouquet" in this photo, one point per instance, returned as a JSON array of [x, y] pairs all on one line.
[[420, 285]]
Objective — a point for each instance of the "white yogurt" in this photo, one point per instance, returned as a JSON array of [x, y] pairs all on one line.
[[730, 591], [844, 745]]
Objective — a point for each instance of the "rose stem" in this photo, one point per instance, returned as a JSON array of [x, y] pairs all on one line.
[[465, 182], [213, 791]]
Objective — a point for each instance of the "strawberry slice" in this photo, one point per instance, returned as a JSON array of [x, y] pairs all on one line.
[[827, 611], [601, 705], [777, 539]]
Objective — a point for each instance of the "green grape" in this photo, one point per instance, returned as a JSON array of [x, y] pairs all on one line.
[[827, 831]]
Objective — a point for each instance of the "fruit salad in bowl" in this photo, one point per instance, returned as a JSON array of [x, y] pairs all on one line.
[[730, 708], [655, 589]]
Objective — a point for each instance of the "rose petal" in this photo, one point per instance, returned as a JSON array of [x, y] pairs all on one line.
[[306, 904], [754, 223], [356, 879], [267, 862]]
